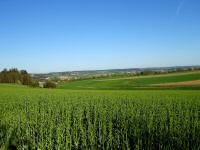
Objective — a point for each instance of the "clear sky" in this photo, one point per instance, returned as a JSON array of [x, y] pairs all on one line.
[[64, 35]]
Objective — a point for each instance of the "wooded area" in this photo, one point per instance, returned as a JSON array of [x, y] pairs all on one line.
[[15, 76]]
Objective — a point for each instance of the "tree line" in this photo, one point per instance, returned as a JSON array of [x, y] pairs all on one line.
[[15, 76]]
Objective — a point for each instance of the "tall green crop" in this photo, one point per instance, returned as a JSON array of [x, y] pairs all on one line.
[[59, 119]]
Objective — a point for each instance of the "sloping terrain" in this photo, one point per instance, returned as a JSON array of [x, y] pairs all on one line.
[[134, 82]]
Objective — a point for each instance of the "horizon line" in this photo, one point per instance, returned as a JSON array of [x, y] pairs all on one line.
[[90, 70]]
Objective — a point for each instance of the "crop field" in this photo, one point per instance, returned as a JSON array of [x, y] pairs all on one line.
[[135, 82], [98, 119]]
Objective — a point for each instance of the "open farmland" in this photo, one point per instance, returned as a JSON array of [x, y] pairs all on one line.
[[135, 82], [99, 74], [74, 119]]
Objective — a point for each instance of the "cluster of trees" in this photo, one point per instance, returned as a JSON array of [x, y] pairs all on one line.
[[15, 76], [22, 77]]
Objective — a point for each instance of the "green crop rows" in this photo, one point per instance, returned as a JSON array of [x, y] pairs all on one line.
[[60, 119]]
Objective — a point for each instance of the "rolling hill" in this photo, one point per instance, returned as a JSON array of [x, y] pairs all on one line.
[[135, 82]]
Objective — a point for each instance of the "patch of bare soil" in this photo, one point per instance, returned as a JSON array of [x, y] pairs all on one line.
[[185, 83]]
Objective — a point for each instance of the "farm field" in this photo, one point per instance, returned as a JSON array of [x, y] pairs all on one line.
[[100, 75], [34, 118], [138, 82]]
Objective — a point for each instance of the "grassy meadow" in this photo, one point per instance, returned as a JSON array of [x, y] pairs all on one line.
[[135, 82], [34, 118]]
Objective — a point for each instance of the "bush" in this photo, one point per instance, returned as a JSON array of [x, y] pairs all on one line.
[[34, 84], [49, 84]]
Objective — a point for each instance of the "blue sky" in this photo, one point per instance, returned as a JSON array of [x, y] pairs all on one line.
[[64, 35]]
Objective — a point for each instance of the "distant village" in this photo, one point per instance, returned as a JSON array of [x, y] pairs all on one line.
[[95, 74], [51, 80]]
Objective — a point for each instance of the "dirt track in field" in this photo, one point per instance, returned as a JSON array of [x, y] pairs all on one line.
[[185, 83]]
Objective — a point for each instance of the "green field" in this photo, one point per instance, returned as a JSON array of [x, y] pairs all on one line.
[[131, 82], [99, 119]]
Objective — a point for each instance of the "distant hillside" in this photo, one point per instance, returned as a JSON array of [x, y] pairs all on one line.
[[173, 80], [74, 75]]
